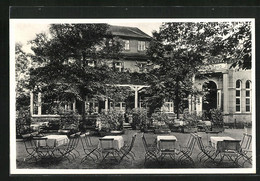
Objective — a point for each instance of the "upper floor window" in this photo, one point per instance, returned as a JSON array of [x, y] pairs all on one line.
[[248, 96], [238, 95], [141, 46], [127, 44]]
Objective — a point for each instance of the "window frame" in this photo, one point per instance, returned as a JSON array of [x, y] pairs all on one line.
[[126, 44], [248, 97], [238, 97], [119, 67], [141, 46]]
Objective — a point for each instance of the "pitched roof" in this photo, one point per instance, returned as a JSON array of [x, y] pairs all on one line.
[[128, 32]]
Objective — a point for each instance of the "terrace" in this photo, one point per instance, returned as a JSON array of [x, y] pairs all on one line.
[[139, 152]]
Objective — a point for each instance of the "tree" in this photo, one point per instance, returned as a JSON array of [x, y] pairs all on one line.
[[177, 56], [179, 50], [234, 44], [61, 61], [21, 77]]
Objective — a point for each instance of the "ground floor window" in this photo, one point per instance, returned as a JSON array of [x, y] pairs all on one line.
[[238, 95], [248, 96]]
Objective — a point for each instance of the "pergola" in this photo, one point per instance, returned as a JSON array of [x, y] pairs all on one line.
[[135, 88]]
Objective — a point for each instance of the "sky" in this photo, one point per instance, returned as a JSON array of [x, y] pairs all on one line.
[[26, 31]]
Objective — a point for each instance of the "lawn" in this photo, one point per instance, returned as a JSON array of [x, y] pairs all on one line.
[[126, 163]]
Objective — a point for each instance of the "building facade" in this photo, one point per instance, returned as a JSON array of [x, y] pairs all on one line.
[[227, 89]]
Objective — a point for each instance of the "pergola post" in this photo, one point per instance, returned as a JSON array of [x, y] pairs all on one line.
[[106, 105], [135, 88], [86, 104], [136, 97], [31, 103], [39, 103], [190, 103], [74, 105], [121, 107]]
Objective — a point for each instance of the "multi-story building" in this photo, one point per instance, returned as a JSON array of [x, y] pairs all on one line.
[[228, 90]]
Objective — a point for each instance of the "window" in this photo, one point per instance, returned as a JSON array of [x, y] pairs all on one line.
[[127, 45], [119, 66], [141, 46], [238, 96], [248, 96]]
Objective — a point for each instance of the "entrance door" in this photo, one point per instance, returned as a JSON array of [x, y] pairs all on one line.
[[210, 96]]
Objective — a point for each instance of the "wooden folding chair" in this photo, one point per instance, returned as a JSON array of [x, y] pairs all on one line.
[[127, 149], [30, 147], [207, 152], [150, 150], [167, 147], [66, 150], [246, 153], [186, 151], [230, 149], [88, 148]]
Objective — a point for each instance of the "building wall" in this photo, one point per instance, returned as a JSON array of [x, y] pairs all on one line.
[[131, 65], [241, 116], [231, 116]]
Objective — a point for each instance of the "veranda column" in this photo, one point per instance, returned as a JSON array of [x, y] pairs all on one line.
[[219, 99], [136, 97], [121, 107], [74, 105], [199, 105], [190, 103], [106, 105], [31, 103], [86, 104], [172, 107], [39, 103], [226, 94]]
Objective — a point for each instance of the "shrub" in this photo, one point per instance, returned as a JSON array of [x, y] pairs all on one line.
[[190, 119], [23, 120], [69, 120], [139, 116], [161, 121], [248, 124], [113, 120], [216, 118]]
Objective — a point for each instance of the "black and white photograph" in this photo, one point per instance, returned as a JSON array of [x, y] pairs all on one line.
[[132, 96]]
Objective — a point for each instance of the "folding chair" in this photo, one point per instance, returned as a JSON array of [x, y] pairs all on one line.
[[66, 150], [186, 151], [150, 150], [207, 152], [77, 137], [246, 152], [127, 149], [167, 147], [44, 150], [107, 147], [230, 149], [88, 148], [30, 147]]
